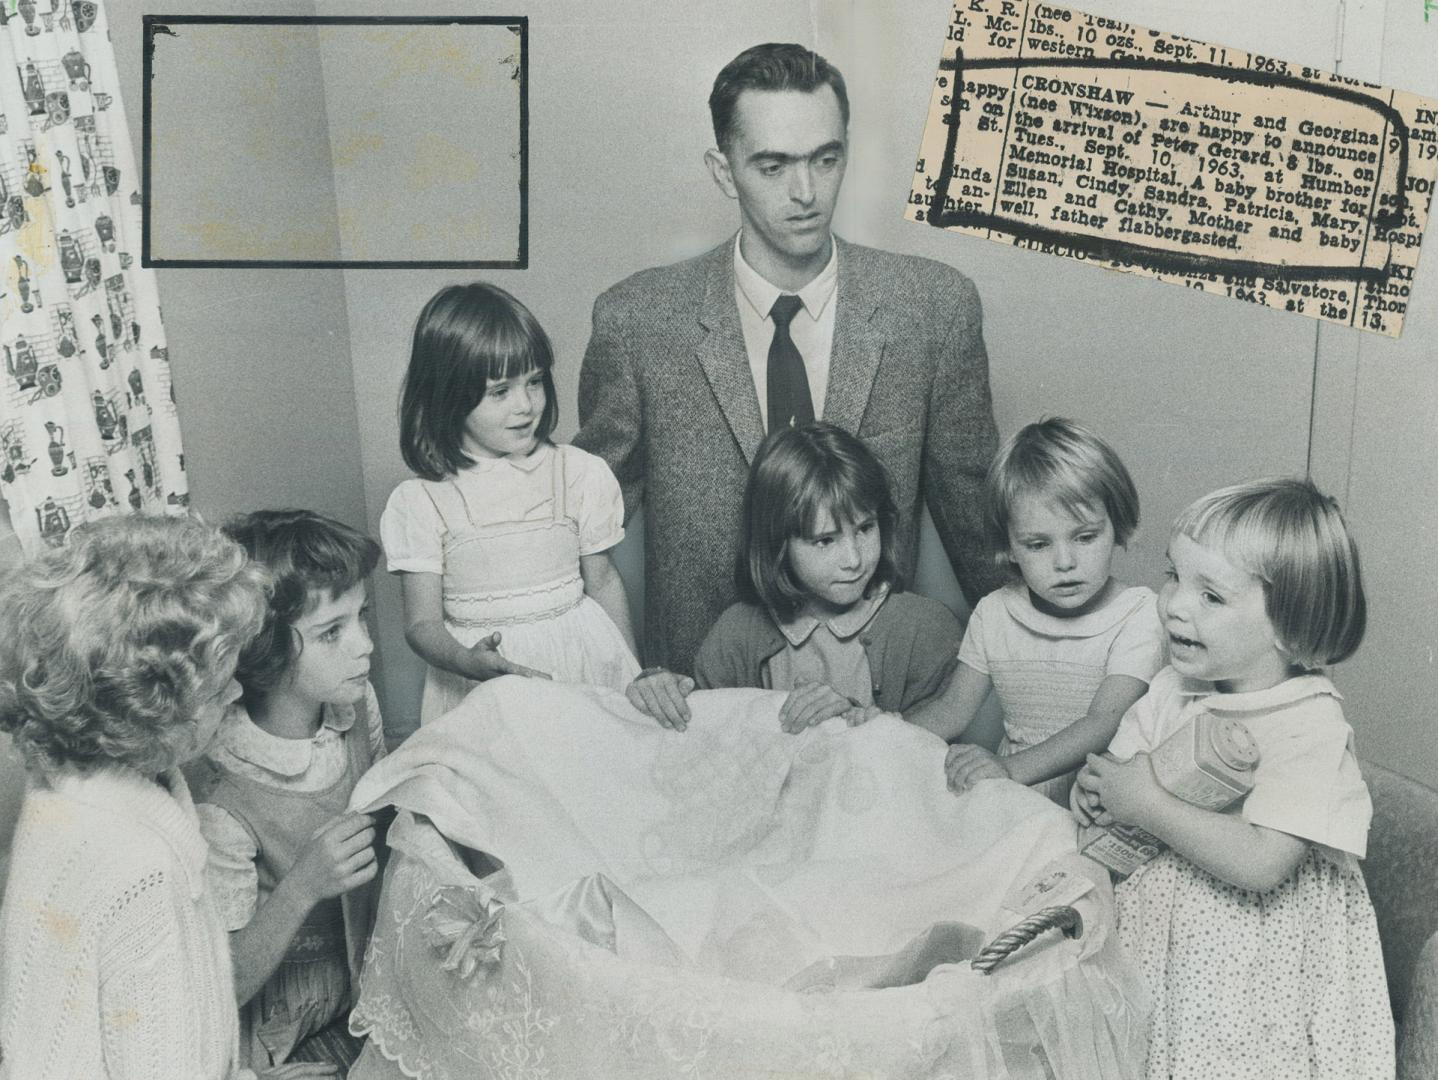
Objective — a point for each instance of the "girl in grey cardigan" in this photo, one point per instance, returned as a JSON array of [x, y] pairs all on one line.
[[821, 613]]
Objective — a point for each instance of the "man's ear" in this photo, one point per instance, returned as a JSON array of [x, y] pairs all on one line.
[[720, 171]]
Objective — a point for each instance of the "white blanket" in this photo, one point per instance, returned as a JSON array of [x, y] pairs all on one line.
[[731, 851]]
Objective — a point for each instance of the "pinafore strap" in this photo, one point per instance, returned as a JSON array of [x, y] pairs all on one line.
[[515, 571]]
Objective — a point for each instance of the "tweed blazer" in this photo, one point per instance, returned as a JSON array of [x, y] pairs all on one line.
[[666, 397]]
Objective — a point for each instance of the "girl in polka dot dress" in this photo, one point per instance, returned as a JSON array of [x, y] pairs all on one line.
[[1254, 930]]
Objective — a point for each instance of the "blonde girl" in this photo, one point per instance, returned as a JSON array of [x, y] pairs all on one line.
[[1067, 647], [117, 657], [1254, 930]]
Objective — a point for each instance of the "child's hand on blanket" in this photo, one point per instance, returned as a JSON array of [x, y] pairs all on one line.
[[861, 714], [338, 857], [660, 693], [812, 703], [966, 764]]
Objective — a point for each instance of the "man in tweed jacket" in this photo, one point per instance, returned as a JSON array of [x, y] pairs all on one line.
[[672, 391]]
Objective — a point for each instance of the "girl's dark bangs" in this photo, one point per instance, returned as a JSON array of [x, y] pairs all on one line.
[[843, 502]]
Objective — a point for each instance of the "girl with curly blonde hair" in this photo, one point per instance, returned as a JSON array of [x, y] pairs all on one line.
[[117, 659]]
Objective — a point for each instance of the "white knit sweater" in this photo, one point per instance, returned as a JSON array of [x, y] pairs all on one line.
[[113, 963]]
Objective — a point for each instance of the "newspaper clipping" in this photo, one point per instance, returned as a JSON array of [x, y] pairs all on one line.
[[1227, 171]]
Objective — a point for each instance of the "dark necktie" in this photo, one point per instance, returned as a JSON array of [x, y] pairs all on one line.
[[789, 400]]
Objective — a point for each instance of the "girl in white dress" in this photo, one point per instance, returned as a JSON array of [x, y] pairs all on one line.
[[1254, 930], [503, 536], [1067, 647]]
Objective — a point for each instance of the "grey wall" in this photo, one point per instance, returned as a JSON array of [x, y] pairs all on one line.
[[1376, 445], [261, 357]]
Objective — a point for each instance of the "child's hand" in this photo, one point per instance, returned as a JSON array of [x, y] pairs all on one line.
[[485, 661], [1084, 802], [1127, 790], [660, 693], [812, 703], [860, 714], [966, 764], [337, 858]]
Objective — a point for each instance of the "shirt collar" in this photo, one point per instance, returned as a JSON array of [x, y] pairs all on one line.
[[240, 737], [1122, 603], [1285, 693], [845, 625], [528, 463], [761, 293]]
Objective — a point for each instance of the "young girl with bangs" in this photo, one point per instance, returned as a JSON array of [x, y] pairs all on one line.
[[821, 613], [291, 871], [1254, 930], [1065, 645], [503, 536]]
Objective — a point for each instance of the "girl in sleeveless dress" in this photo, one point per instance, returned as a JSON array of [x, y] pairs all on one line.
[[291, 871], [1066, 646], [503, 538], [1254, 930]]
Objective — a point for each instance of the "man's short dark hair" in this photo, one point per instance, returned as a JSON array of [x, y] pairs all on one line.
[[771, 66]]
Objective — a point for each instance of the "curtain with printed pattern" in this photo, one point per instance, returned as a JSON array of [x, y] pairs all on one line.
[[88, 425]]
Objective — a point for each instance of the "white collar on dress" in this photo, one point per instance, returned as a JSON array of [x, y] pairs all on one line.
[[761, 293], [1287, 692], [843, 626], [1126, 599], [526, 464], [240, 737]]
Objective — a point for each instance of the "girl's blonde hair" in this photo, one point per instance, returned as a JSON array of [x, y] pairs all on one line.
[[1066, 461], [109, 646], [1293, 538]]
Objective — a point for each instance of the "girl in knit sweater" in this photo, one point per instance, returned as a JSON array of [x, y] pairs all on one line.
[[116, 662]]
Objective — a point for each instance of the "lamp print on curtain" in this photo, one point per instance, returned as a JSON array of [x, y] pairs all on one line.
[[88, 425]]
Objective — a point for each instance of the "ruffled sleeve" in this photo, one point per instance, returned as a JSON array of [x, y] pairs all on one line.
[[593, 495], [1308, 783], [412, 531], [1137, 648], [230, 867]]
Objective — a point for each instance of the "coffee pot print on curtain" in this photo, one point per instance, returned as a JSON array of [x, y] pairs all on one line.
[[88, 425]]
